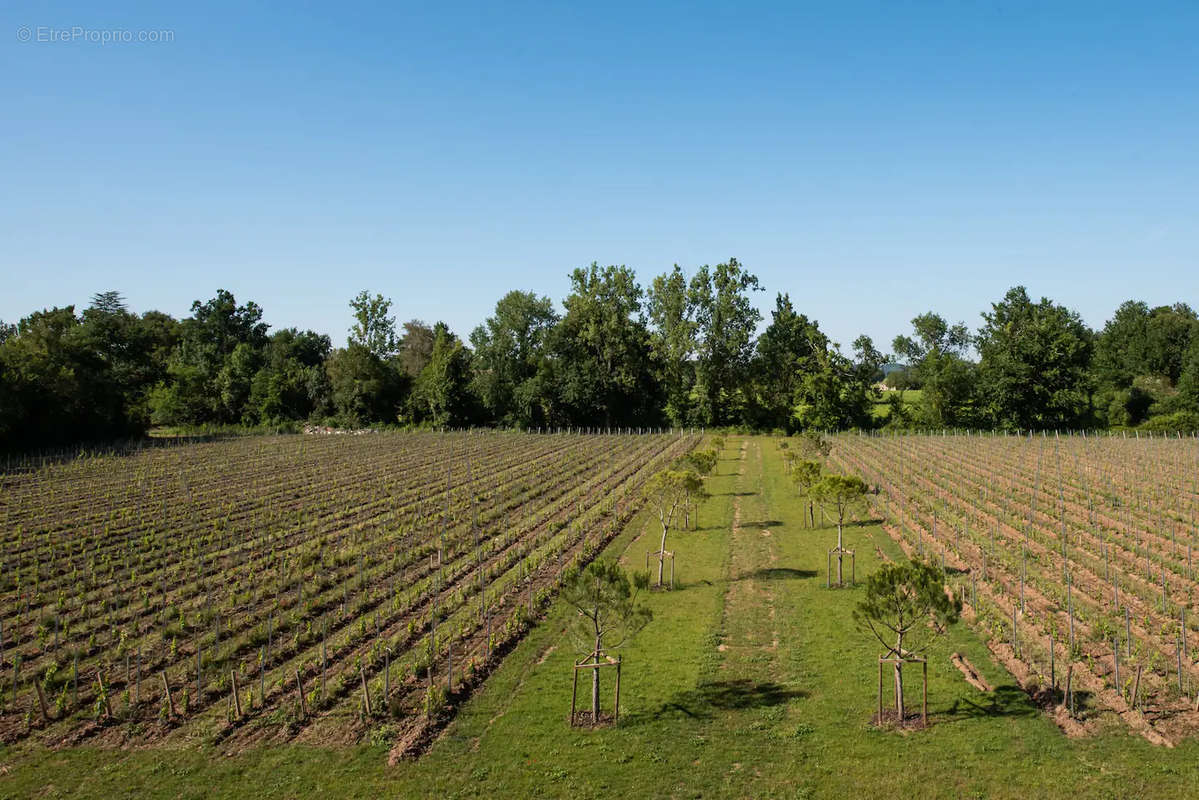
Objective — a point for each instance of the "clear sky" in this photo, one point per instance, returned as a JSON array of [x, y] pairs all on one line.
[[873, 159]]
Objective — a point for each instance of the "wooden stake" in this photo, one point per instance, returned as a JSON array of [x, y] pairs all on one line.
[[366, 694], [166, 687], [236, 696], [41, 699], [300, 692]]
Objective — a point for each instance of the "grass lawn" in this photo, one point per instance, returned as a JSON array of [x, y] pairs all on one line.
[[910, 397], [751, 682]]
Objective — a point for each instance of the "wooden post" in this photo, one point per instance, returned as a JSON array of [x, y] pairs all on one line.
[[1178, 654], [924, 703], [616, 699], [166, 687], [574, 692], [1116, 662], [1127, 632], [879, 718], [1052, 664], [236, 696], [104, 693], [41, 700], [366, 693], [300, 692], [1136, 687]]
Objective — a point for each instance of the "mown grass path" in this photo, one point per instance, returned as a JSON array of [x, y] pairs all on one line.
[[751, 682]]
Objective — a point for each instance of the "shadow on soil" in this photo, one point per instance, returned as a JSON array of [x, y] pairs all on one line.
[[729, 695]]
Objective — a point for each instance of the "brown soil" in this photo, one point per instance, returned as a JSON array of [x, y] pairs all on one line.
[[971, 674]]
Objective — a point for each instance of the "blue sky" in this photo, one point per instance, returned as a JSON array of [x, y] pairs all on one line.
[[875, 160]]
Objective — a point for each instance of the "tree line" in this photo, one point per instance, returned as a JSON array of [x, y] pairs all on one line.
[[683, 351]]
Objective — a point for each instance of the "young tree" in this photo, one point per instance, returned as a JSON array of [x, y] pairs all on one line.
[[906, 607], [668, 492], [701, 462], [806, 475], [839, 494], [608, 613], [814, 446]]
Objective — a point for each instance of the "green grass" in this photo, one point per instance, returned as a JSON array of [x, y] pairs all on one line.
[[710, 706], [911, 397]]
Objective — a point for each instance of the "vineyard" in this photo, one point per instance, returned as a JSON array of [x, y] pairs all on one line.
[[290, 588], [1076, 555]]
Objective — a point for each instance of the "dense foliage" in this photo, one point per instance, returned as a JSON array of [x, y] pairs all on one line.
[[682, 352]]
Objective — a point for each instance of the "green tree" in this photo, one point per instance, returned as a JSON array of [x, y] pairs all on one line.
[[806, 475], [607, 614], [1188, 380], [363, 387], [673, 342], [600, 364], [416, 346], [726, 321], [373, 328], [205, 381], [838, 392], [839, 495], [668, 493], [509, 350], [441, 395], [1033, 371], [934, 355], [1140, 358], [292, 383], [791, 347], [906, 607]]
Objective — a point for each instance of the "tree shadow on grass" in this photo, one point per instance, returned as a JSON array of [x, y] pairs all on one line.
[[776, 574], [731, 695], [1008, 700], [768, 523], [733, 494]]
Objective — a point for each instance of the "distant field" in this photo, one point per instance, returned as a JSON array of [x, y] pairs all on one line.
[[911, 397]]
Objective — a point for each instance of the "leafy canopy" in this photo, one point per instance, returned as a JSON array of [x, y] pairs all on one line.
[[605, 600], [906, 607]]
